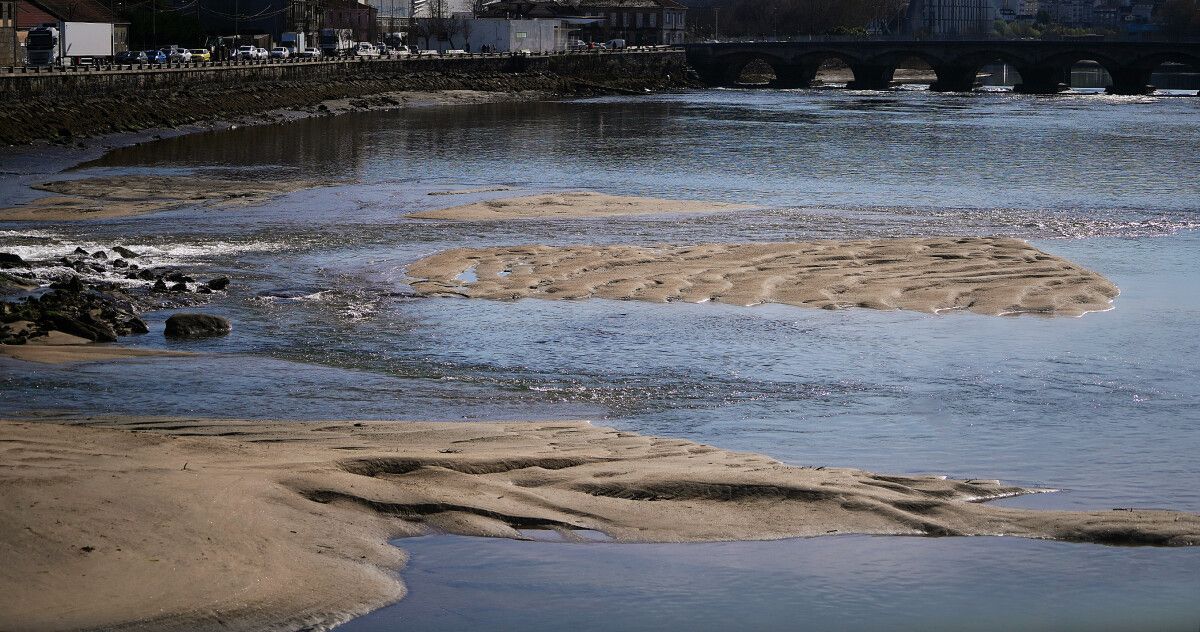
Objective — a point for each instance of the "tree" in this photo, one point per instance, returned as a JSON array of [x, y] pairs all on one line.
[[1179, 17]]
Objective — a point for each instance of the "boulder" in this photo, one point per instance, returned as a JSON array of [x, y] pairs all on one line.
[[80, 251], [218, 283], [96, 332], [196, 326], [9, 260], [159, 286], [99, 254], [179, 287], [125, 252], [120, 263]]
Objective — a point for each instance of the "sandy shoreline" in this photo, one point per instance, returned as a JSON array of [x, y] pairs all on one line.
[[573, 205], [197, 525], [986, 275]]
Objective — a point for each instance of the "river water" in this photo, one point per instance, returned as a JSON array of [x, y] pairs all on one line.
[[1103, 407]]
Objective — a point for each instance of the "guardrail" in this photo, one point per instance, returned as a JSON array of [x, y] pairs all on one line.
[[238, 63]]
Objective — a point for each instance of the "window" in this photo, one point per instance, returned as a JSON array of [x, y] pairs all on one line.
[[653, 16], [625, 19], [612, 19], [639, 19], [522, 34]]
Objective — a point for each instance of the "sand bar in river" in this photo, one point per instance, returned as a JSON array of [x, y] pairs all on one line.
[[986, 275], [122, 196], [218, 525], [572, 204]]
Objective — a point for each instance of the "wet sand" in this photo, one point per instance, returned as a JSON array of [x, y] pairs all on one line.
[[995, 276], [198, 525], [80, 350], [123, 196], [574, 205]]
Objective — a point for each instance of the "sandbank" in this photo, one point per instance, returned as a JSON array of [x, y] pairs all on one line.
[[57, 347], [199, 525], [123, 196], [571, 205], [986, 275]]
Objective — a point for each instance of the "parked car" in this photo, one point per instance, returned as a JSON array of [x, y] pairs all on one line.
[[454, 52], [155, 57], [615, 44], [280, 52], [181, 55], [383, 49], [366, 49], [428, 53], [309, 53], [263, 53], [201, 54], [247, 52], [131, 57]]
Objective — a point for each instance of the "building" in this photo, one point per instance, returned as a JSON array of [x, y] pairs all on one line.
[[272, 18], [932, 18], [496, 35], [355, 15], [1073, 13], [8, 33], [638, 22]]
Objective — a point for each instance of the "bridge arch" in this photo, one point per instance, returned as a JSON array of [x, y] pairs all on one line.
[[961, 73], [1164, 61], [894, 60]]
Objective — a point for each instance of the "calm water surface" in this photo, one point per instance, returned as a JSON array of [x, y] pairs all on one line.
[[1103, 407]]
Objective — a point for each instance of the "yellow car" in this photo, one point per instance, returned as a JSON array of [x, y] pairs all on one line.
[[200, 54]]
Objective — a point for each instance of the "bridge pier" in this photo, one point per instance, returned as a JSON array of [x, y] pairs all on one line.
[[1130, 80], [1043, 79], [794, 75], [954, 78], [871, 77]]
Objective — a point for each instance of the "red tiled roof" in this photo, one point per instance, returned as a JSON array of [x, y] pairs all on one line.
[[31, 13]]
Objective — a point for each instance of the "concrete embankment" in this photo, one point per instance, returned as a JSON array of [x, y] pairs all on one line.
[[64, 105]]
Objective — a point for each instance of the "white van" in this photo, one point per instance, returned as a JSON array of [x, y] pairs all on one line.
[[614, 44], [366, 49]]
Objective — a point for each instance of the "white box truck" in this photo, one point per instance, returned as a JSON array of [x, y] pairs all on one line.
[[69, 43]]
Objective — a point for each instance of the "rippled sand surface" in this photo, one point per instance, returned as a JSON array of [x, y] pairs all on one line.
[[995, 276]]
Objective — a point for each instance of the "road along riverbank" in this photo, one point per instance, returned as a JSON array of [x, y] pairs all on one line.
[[65, 106], [198, 525]]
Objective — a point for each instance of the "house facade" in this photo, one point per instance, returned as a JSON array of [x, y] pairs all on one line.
[[638, 22], [8, 33]]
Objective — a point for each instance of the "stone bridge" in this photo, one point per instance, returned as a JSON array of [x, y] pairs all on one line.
[[1044, 65]]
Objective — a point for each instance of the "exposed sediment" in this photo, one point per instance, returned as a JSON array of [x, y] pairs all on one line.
[[120, 196], [572, 204], [986, 275], [200, 525]]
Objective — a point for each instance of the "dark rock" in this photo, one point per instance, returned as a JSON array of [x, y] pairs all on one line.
[[136, 325], [203, 289], [120, 263], [196, 326], [146, 275], [179, 287], [9, 260], [178, 277], [96, 332], [159, 286], [125, 252], [218, 283], [72, 285], [99, 254], [80, 251]]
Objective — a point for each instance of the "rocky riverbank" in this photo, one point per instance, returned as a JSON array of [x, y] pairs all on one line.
[[89, 297], [50, 117]]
